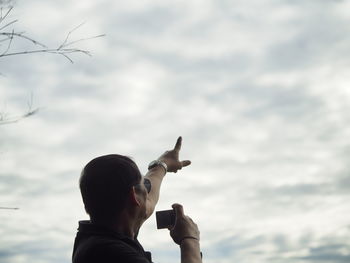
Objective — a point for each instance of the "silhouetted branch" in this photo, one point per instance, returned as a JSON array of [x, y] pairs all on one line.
[[68, 35], [9, 120], [65, 49], [8, 24], [3, 17], [5, 119], [10, 35], [9, 208]]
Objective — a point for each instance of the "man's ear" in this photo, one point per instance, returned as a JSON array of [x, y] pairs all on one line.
[[133, 197]]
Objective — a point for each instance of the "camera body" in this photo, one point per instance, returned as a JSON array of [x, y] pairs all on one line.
[[165, 219]]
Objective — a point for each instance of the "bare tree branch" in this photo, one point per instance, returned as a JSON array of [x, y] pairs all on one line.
[[9, 120], [2, 18], [9, 44], [65, 49], [68, 35], [8, 24], [84, 39], [6, 119], [21, 35], [7, 38], [9, 208]]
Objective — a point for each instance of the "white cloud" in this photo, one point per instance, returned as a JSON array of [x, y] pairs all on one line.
[[257, 89]]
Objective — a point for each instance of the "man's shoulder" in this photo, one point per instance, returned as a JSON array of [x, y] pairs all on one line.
[[108, 243], [108, 249]]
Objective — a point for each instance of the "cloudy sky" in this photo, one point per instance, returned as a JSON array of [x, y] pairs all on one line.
[[258, 89]]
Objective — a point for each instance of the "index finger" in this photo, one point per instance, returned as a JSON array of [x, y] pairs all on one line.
[[178, 144]]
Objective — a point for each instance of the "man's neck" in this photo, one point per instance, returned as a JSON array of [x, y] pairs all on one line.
[[123, 225]]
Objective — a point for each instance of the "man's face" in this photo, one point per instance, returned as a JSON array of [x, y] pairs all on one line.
[[141, 190], [144, 186]]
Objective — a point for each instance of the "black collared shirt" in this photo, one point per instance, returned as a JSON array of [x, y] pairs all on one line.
[[98, 244]]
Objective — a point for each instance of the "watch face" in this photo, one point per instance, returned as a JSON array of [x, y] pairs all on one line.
[[157, 163], [152, 164]]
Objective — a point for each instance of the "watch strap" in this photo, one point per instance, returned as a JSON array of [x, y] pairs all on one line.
[[156, 163]]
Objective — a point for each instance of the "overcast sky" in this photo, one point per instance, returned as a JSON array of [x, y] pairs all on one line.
[[258, 89]]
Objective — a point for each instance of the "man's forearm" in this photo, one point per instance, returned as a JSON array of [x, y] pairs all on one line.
[[190, 251], [156, 176]]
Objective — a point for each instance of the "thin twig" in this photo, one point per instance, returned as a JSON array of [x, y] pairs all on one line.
[[69, 33], [2, 18], [9, 45], [64, 49], [4, 120], [8, 120], [8, 24], [20, 35], [11, 208], [84, 39], [62, 52], [30, 113]]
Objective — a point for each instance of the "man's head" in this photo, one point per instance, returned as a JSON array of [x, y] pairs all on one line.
[[105, 184]]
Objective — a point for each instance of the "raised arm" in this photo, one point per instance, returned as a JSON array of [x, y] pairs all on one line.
[[157, 173]]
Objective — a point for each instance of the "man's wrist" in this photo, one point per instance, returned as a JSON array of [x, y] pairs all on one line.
[[158, 163], [191, 238], [190, 250]]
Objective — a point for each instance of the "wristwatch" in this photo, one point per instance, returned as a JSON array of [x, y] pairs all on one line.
[[156, 163]]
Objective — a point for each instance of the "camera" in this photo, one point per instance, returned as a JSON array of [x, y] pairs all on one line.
[[165, 219]]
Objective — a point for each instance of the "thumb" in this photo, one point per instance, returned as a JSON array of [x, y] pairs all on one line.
[[185, 163], [179, 210]]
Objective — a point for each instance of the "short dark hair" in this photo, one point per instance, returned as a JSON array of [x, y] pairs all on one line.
[[105, 183]]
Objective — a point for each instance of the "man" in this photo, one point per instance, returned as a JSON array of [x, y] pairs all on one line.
[[119, 200]]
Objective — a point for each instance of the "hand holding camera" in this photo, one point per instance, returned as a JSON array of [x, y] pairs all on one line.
[[181, 226], [184, 227]]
